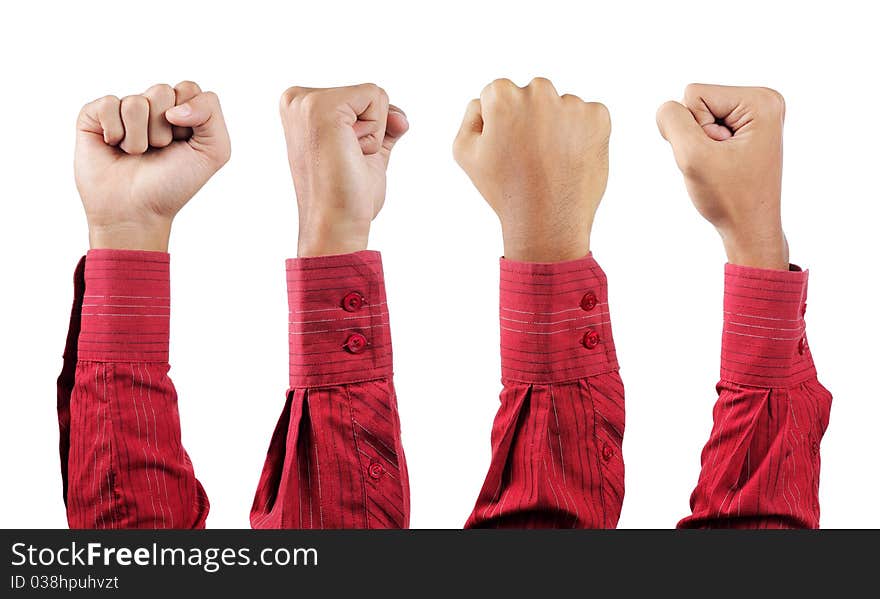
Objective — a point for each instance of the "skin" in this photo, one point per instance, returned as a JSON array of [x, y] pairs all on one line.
[[339, 141], [727, 142], [140, 159], [540, 160]]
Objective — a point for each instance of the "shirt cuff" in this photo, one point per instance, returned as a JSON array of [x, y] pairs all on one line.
[[555, 322], [338, 325], [764, 343], [126, 307]]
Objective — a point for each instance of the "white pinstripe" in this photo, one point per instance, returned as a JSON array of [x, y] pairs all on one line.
[[330, 309], [762, 317], [595, 324], [368, 315], [372, 326], [550, 313], [757, 326], [557, 321], [764, 336]]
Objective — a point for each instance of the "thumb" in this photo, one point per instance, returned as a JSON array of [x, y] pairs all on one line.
[[203, 115], [395, 128], [678, 126]]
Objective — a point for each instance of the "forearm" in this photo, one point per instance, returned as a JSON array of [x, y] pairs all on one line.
[[335, 459], [123, 463], [760, 467]]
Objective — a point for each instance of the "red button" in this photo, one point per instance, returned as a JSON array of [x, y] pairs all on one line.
[[352, 302], [802, 345], [607, 452], [356, 343], [589, 301], [591, 339], [376, 470]]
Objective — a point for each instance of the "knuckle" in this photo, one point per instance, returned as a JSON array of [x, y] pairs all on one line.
[[161, 91], [499, 87], [107, 101], [692, 89], [541, 84], [373, 88], [134, 105], [667, 107], [502, 85], [186, 84], [101, 105], [377, 91], [498, 94], [308, 104], [773, 99], [664, 111], [600, 119], [186, 90], [288, 95], [599, 112]]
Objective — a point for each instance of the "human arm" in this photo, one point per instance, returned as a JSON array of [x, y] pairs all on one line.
[[138, 161], [336, 459], [760, 466], [540, 160]]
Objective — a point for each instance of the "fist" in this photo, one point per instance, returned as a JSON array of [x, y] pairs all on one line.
[[339, 141], [140, 159], [541, 162], [727, 143]]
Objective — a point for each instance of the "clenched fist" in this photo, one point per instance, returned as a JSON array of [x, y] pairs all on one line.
[[541, 162], [140, 159], [339, 141], [727, 142]]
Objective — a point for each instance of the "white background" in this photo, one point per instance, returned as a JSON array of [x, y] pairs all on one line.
[[439, 240]]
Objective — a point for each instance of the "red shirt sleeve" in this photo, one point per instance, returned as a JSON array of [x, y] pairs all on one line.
[[556, 441], [122, 461], [760, 467], [335, 459]]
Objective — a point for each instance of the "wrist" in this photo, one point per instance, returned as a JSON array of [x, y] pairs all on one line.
[[328, 238], [545, 248], [757, 250], [131, 236]]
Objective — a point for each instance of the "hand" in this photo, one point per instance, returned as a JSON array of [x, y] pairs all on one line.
[[541, 162], [140, 159], [727, 142], [339, 141]]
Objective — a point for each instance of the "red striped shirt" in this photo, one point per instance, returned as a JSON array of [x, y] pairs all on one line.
[[335, 459], [122, 460], [556, 441], [761, 463]]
